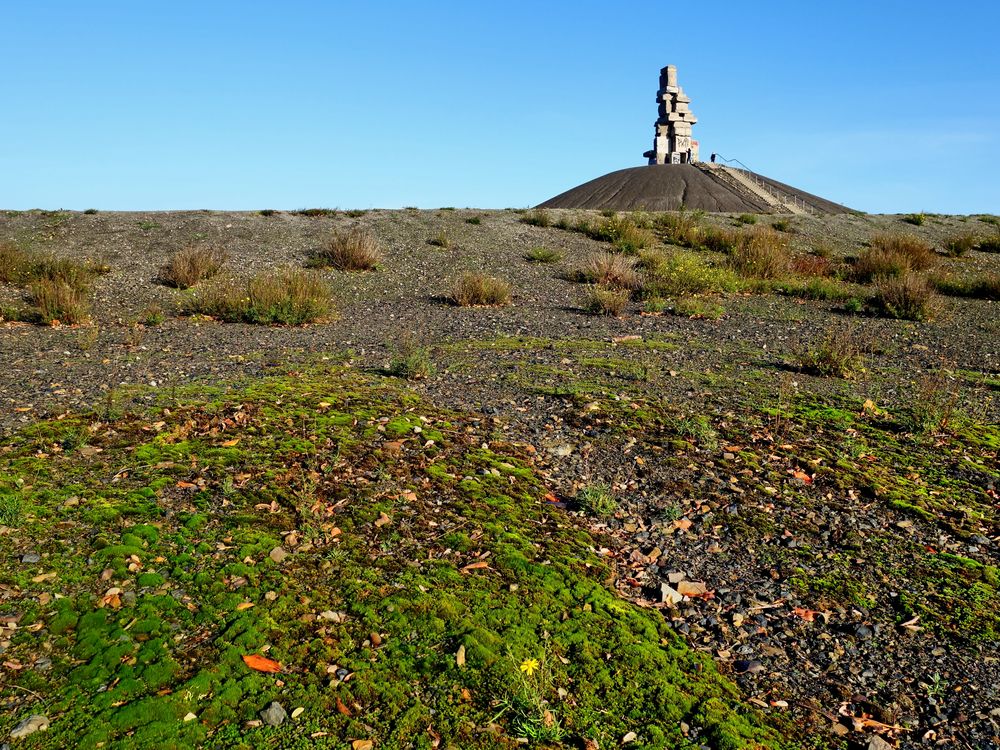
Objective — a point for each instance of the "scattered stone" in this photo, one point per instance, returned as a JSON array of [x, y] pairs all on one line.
[[274, 715], [670, 595], [877, 743], [278, 554], [31, 557], [34, 723], [745, 666]]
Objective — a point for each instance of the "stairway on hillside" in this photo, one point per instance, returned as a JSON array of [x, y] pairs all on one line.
[[744, 181]]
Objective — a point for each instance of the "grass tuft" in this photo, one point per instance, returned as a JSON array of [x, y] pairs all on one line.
[[473, 289], [906, 297], [597, 499], [191, 264], [838, 353], [353, 250], [604, 300], [960, 244], [979, 286], [290, 297], [893, 255], [543, 255], [610, 270], [58, 300], [760, 253]]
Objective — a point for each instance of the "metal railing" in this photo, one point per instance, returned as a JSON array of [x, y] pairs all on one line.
[[747, 173]]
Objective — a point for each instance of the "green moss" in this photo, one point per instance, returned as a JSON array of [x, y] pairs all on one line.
[[469, 556]]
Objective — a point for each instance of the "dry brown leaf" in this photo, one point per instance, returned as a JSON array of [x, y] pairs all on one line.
[[261, 663], [341, 708], [478, 565], [362, 745]]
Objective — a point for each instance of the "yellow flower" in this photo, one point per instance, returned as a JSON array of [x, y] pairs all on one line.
[[528, 666]]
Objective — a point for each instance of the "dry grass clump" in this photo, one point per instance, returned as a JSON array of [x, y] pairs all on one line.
[[989, 244], [353, 250], [720, 240], [839, 353], [473, 289], [812, 265], [290, 297], [191, 264], [538, 217], [760, 253], [610, 270], [58, 300], [906, 297], [960, 244], [604, 300], [893, 255]]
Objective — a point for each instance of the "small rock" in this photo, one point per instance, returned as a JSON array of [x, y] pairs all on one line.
[[278, 554], [670, 595], [676, 577], [863, 632], [190, 716], [745, 666], [274, 715], [877, 743], [34, 723], [561, 450], [31, 557]]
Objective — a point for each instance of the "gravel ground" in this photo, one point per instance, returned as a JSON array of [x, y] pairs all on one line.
[[789, 648]]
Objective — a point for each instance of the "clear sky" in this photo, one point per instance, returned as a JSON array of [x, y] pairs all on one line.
[[884, 105]]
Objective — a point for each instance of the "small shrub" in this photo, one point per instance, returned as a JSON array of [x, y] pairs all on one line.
[[837, 354], [812, 265], [289, 297], [542, 255], [893, 255], [623, 233], [538, 217], [356, 213], [597, 499], [14, 263], [720, 240], [989, 244], [474, 220], [760, 254], [610, 270], [562, 223], [980, 286], [148, 226], [960, 244], [670, 274], [152, 315], [603, 300], [59, 300], [354, 250], [90, 211], [267, 212], [191, 264], [746, 219], [915, 219], [906, 297], [473, 289], [315, 213], [411, 359], [782, 225], [682, 228], [441, 240], [989, 219]]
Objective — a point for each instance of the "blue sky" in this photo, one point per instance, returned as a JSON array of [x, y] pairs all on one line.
[[885, 106]]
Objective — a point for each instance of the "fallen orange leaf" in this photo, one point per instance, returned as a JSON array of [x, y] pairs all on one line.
[[261, 663], [478, 565]]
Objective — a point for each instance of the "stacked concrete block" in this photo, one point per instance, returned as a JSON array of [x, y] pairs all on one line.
[[672, 142]]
